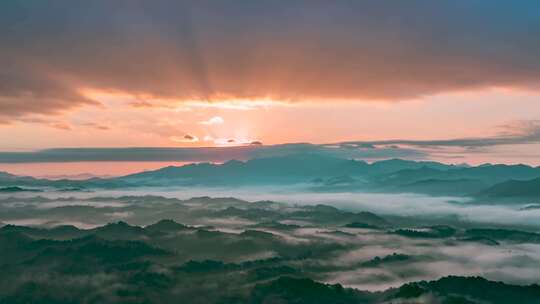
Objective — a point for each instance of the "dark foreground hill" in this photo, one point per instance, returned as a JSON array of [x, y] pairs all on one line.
[[167, 262]]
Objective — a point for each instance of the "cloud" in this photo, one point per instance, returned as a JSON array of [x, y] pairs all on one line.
[[95, 126], [528, 129], [518, 132], [225, 151], [46, 122], [514, 133], [283, 50], [224, 141], [185, 139], [142, 104], [61, 126], [25, 91], [216, 120]]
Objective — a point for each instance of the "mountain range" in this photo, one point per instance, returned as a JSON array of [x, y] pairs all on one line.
[[324, 173]]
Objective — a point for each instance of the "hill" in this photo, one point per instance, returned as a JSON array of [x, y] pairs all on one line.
[[514, 188]]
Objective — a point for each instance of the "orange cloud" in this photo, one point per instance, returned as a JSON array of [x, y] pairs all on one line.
[[260, 53]]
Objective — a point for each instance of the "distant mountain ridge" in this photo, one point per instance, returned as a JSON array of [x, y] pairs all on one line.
[[514, 188], [337, 174], [299, 168], [320, 173]]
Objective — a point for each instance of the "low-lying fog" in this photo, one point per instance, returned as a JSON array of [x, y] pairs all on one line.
[[430, 258], [413, 205]]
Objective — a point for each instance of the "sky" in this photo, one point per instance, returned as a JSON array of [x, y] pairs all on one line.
[[454, 81]]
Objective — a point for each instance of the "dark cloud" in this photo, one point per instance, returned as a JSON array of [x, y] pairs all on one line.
[[292, 50], [26, 88], [199, 154], [520, 132]]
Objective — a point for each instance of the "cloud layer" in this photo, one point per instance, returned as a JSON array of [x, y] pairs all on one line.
[[515, 133], [285, 50]]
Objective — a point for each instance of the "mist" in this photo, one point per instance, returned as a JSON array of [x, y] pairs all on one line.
[[403, 205]]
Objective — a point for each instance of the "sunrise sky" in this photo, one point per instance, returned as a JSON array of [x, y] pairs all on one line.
[[453, 81]]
